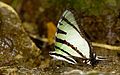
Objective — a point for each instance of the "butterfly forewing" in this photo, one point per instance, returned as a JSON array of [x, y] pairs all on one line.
[[70, 17], [69, 38]]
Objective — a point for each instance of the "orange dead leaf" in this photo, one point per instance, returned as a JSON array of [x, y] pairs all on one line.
[[51, 28]]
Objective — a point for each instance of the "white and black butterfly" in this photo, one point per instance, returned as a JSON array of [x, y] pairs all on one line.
[[69, 41]]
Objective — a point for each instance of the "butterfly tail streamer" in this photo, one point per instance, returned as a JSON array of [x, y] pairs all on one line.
[[100, 58]]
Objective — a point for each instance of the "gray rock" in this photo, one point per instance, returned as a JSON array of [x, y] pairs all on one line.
[[16, 48]]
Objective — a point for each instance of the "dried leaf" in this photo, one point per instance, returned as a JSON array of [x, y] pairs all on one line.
[[51, 28]]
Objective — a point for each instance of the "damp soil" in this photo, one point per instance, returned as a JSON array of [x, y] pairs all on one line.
[[111, 66]]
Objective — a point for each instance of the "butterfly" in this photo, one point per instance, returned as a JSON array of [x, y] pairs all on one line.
[[70, 43]]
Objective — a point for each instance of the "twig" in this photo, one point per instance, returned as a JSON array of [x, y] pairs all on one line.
[[110, 47]]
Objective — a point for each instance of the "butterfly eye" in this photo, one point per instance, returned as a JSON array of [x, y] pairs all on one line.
[[94, 55]]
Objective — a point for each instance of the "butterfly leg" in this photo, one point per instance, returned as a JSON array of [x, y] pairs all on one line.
[[86, 61]]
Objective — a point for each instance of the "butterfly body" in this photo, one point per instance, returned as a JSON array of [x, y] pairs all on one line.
[[70, 42]]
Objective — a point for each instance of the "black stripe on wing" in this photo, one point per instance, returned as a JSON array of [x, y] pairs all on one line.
[[59, 55], [63, 51], [70, 45], [60, 23], [61, 31], [63, 18]]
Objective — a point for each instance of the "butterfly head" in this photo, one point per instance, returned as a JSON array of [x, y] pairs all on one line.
[[93, 60]]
